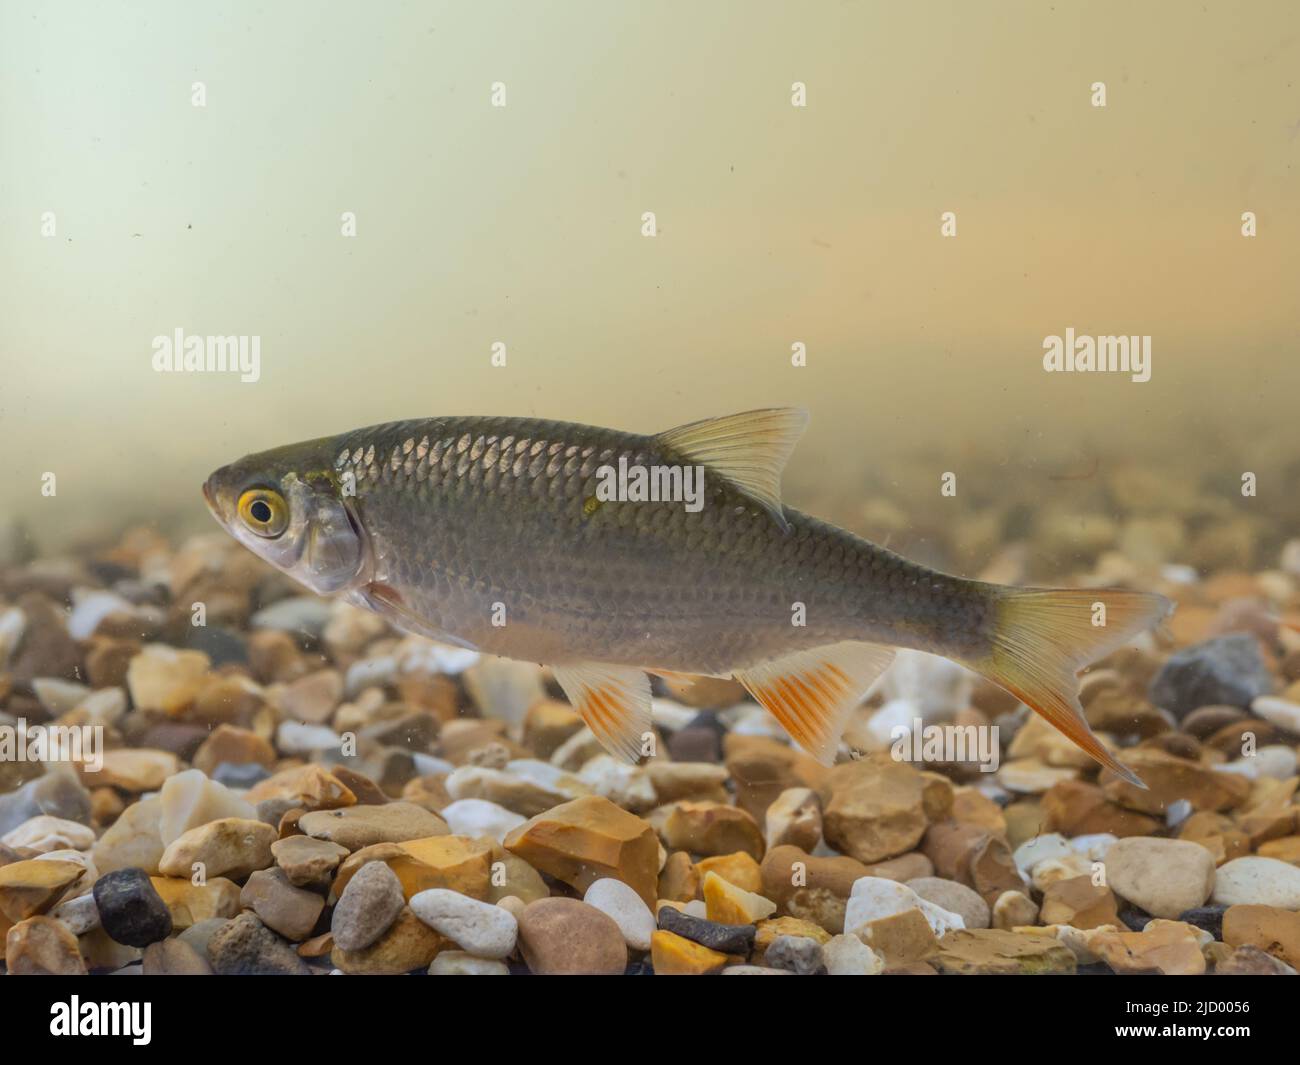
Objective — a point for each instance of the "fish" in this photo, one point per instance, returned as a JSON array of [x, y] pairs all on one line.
[[582, 549]]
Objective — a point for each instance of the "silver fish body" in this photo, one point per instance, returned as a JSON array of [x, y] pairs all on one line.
[[525, 538]]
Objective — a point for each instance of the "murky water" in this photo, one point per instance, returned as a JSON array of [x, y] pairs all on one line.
[[1031, 268]]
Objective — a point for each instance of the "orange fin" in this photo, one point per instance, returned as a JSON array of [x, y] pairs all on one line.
[[1042, 637], [812, 693], [614, 701]]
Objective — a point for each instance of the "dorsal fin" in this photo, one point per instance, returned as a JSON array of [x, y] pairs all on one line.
[[750, 450]]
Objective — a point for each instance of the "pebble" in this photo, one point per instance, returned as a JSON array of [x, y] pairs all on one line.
[[673, 955], [44, 833], [524, 797], [480, 928], [797, 954], [688, 780], [42, 946], [1269, 928], [726, 903], [191, 903], [1283, 713], [1165, 877], [1258, 881], [31, 887], [291, 911], [1167, 947], [230, 846], [458, 963], [847, 955], [560, 936], [245, 947], [306, 861], [876, 811], [131, 912], [294, 737], [1226, 671], [369, 904], [57, 793], [163, 679], [299, 614], [134, 839], [712, 828], [627, 909], [1080, 903], [311, 699], [955, 898], [724, 938], [874, 897], [795, 819], [57, 696], [1251, 961], [629, 786], [174, 957], [581, 841], [190, 800], [478, 817], [79, 914], [998, 952], [355, 827], [230, 745]]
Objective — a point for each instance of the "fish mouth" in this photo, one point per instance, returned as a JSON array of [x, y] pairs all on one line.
[[210, 498]]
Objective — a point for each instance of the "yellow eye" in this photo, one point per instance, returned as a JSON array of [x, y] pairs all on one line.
[[264, 511]]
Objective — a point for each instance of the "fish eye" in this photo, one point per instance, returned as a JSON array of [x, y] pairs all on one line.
[[264, 512]]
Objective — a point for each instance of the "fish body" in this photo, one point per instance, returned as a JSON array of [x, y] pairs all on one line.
[[517, 538]]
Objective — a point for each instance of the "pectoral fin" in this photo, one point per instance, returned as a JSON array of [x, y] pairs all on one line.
[[614, 701], [750, 450], [812, 693]]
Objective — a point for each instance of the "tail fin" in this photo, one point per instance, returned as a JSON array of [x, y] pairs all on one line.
[[1042, 637]]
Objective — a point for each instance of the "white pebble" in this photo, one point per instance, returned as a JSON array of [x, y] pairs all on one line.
[[849, 956], [458, 963], [480, 928], [478, 817], [874, 897], [1261, 881], [628, 910]]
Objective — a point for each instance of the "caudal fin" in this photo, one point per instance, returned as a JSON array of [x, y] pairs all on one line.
[[1042, 637]]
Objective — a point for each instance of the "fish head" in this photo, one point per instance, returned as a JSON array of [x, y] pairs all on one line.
[[289, 507]]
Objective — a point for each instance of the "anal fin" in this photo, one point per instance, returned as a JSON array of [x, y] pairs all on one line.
[[614, 701], [812, 693]]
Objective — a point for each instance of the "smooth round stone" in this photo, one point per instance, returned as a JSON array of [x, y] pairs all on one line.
[[479, 928], [1258, 881], [131, 912], [1165, 877], [458, 963], [44, 833], [618, 901], [368, 906], [560, 937]]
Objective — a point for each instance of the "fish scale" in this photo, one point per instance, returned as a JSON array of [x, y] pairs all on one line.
[[643, 582]]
